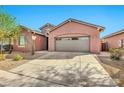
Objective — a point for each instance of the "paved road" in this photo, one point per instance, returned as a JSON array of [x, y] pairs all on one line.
[[58, 69]]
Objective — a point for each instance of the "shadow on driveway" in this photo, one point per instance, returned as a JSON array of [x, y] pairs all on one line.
[[80, 71]]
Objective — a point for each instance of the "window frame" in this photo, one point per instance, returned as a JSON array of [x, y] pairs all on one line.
[[19, 39], [75, 38]]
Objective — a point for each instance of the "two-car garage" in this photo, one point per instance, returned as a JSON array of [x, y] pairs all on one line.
[[73, 44], [75, 36]]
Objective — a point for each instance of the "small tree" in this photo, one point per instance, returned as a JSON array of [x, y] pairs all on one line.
[[8, 27]]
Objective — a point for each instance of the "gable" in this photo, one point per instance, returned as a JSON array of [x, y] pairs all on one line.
[[100, 28], [74, 27]]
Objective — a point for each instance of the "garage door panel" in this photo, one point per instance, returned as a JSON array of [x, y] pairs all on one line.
[[82, 44]]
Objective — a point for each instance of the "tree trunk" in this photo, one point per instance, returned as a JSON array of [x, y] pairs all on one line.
[[11, 46]]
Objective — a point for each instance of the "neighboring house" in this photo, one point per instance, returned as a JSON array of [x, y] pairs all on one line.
[[75, 35], [29, 38], [114, 40]]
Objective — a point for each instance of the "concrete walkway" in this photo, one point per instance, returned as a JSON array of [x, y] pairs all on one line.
[[58, 69]]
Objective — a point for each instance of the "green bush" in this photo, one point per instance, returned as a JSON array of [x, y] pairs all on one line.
[[18, 57], [116, 53]]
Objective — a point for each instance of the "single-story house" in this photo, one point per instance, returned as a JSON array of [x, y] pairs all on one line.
[[29, 38], [74, 35], [114, 40], [71, 35]]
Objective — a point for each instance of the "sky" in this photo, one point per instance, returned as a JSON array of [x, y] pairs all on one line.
[[110, 17]]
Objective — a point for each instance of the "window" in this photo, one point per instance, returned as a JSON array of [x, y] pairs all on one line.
[[121, 43], [66, 38], [74, 38], [58, 38], [22, 40], [83, 38]]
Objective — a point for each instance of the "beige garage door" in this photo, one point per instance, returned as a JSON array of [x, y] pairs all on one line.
[[73, 44]]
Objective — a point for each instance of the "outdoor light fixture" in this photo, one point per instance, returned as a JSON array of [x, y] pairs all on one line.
[[33, 37]]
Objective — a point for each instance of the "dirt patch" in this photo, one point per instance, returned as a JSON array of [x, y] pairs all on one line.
[[9, 64], [115, 63], [26, 55], [114, 68]]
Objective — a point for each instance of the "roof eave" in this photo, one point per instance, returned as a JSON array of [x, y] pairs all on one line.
[[113, 34], [33, 31]]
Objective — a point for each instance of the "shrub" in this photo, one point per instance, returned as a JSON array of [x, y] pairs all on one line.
[[2, 57], [116, 53], [18, 57]]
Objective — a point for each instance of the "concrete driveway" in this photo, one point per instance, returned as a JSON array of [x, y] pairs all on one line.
[[59, 69]]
